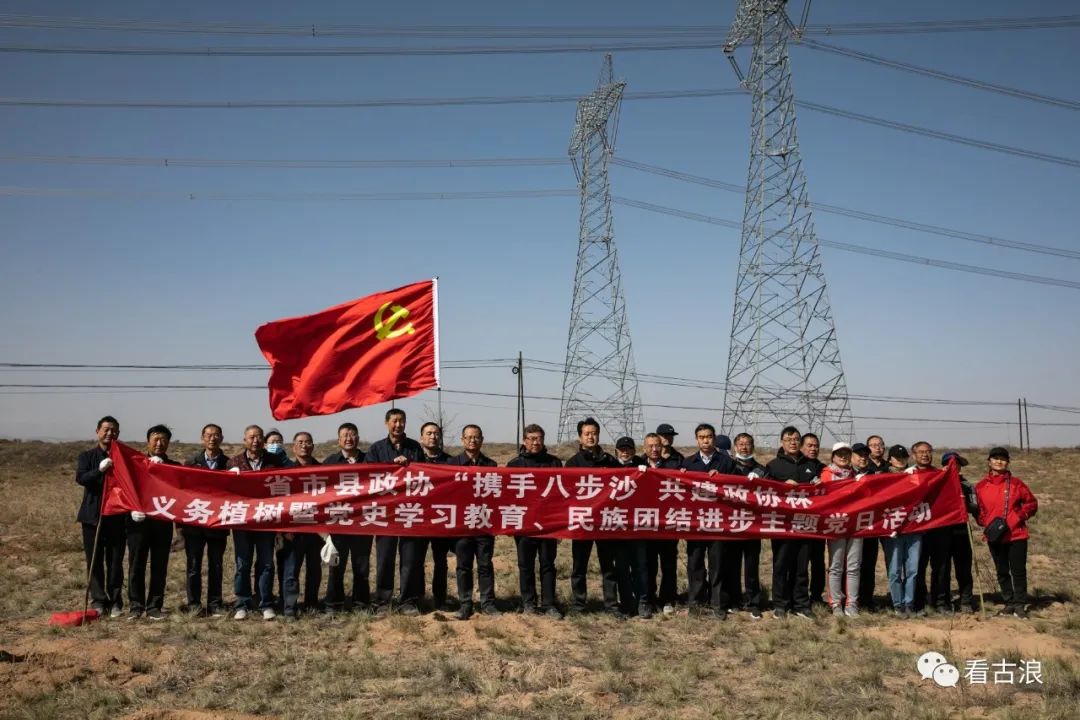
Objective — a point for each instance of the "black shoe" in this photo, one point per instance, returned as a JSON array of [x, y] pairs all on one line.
[[615, 613], [645, 612], [755, 614], [778, 614], [720, 613], [464, 612], [490, 610], [99, 608], [155, 614], [380, 610], [967, 610], [408, 610], [804, 614], [944, 610], [134, 615], [553, 613], [1021, 612], [531, 610]]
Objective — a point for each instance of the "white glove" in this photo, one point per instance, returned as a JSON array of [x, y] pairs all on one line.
[[329, 553], [235, 470], [753, 475], [137, 516], [910, 471], [105, 465], [156, 460], [642, 468]]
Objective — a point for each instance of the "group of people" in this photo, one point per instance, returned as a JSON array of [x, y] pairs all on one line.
[[638, 577]]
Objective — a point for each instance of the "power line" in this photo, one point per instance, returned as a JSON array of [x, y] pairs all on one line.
[[941, 75], [354, 103], [525, 162], [510, 194], [284, 196], [857, 214], [849, 247], [938, 134], [521, 31], [664, 406], [524, 100], [358, 51]]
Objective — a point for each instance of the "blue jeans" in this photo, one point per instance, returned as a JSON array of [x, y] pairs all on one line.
[[250, 544], [903, 560]]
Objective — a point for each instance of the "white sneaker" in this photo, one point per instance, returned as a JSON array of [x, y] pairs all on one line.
[[269, 614], [669, 609], [240, 614], [851, 611]]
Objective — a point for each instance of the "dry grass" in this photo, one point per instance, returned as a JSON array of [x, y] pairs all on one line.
[[513, 666]]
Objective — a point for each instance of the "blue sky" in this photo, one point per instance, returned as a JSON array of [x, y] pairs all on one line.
[[132, 279]]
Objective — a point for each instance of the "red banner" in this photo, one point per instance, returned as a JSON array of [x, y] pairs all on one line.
[[579, 503], [367, 351]]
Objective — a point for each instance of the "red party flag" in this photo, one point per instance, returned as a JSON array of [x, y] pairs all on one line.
[[378, 348]]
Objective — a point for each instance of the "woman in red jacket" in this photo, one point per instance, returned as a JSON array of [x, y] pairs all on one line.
[[1010, 550]]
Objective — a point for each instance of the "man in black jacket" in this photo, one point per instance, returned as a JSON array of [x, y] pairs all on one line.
[[743, 556], [533, 454], [480, 548], [591, 455], [791, 557], [870, 545], [106, 565], [431, 442], [300, 551], [356, 547], [662, 555], [810, 447], [395, 449], [253, 546], [631, 559], [706, 586], [667, 436], [200, 540], [960, 543], [149, 538]]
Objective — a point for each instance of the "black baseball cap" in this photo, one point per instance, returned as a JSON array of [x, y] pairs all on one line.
[[898, 452], [860, 449], [665, 429], [960, 459], [624, 443], [999, 452]]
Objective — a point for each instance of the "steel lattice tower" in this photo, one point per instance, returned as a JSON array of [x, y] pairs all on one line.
[[599, 379], [784, 360]]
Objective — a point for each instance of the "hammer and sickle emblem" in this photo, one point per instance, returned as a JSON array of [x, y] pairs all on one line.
[[385, 328]]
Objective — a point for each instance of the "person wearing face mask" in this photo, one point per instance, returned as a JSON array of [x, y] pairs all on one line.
[[845, 553], [105, 557], [662, 556], [1008, 500], [744, 556], [211, 540], [149, 539], [275, 445], [591, 455]]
